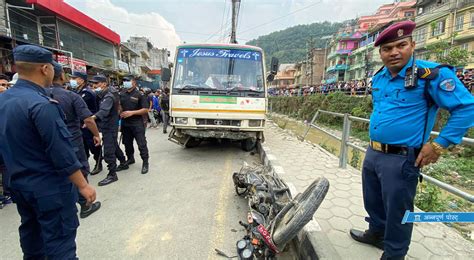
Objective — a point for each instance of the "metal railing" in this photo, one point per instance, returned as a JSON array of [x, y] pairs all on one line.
[[345, 144]]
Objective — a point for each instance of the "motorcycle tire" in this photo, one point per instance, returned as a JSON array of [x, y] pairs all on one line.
[[300, 213]]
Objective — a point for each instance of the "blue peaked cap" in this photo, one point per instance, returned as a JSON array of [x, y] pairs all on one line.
[[32, 54]]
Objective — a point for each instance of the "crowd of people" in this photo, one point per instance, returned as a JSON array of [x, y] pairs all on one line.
[[357, 87]]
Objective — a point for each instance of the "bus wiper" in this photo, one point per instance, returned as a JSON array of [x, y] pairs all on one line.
[[245, 89], [193, 87]]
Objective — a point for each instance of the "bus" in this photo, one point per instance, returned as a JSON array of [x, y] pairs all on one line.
[[219, 91]]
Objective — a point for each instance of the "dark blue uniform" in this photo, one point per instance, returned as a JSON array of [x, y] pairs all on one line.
[[37, 151], [398, 119], [133, 127], [75, 111], [108, 117], [90, 98]]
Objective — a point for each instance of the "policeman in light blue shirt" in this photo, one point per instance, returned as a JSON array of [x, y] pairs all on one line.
[[406, 99], [42, 168]]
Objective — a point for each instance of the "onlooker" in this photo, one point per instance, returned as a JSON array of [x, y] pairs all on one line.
[[4, 84], [165, 108]]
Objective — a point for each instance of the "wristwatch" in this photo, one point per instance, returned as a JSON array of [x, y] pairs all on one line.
[[438, 148]]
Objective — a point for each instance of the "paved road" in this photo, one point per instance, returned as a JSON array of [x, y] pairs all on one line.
[[183, 209]]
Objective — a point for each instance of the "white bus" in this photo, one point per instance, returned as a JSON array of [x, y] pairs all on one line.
[[218, 91]]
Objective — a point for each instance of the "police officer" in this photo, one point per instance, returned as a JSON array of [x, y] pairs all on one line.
[[134, 106], [78, 83], [43, 170], [108, 117], [75, 111], [406, 99]]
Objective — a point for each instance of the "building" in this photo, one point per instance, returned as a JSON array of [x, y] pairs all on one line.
[[444, 20], [310, 73], [78, 41], [285, 77], [128, 60], [340, 48], [387, 13]]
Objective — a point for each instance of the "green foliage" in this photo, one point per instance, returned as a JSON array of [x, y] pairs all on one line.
[[428, 198], [355, 159], [444, 52], [290, 45]]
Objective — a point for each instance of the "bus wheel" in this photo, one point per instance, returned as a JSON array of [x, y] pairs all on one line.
[[248, 144]]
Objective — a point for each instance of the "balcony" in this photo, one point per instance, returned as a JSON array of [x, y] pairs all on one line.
[[338, 67]]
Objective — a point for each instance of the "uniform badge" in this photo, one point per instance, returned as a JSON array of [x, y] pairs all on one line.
[[447, 85], [400, 32]]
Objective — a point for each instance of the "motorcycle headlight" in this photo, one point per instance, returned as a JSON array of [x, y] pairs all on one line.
[[255, 123], [181, 120]]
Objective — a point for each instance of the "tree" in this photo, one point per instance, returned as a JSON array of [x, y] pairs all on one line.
[[444, 52]]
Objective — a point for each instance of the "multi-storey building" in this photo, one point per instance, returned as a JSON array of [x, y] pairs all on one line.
[[285, 77], [78, 41], [444, 20], [340, 47], [386, 13]]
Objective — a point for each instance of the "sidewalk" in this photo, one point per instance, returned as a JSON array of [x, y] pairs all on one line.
[[343, 207]]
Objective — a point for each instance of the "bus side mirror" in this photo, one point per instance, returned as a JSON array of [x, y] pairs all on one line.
[[270, 77], [165, 74], [274, 66]]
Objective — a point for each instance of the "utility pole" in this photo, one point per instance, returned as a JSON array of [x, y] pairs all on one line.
[[310, 58], [235, 14]]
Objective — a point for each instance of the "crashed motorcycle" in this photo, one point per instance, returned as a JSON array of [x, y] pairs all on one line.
[[274, 217]]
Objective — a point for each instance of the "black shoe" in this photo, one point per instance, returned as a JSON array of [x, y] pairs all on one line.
[[130, 161], [88, 210], [385, 257], [108, 180], [145, 168], [122, 166], [368, 237], [97, 168], [165, 132]]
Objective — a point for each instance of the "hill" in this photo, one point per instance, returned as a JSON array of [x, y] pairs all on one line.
[[290, 45]]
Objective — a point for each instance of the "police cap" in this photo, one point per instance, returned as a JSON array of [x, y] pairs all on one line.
[[78, 74], [98, 78], [58, 69], [129, 78], [395, 32], [32, 54]]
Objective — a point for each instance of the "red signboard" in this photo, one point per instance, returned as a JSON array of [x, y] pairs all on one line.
[[77, 64]]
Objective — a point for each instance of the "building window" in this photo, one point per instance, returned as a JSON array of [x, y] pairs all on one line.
[[408, 14], [438, 28], [472, 19], [465, 46], [420, 35], [459, 22], [343, 45], [420, 10]]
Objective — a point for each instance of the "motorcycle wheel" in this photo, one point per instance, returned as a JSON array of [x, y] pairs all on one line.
[[300, 213]]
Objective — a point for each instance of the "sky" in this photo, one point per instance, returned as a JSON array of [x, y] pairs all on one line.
[[168, 23]]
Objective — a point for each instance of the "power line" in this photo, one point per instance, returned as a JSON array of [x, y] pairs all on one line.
[[281, 17]]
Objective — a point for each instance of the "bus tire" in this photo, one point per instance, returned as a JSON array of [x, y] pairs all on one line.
[[248, 144]]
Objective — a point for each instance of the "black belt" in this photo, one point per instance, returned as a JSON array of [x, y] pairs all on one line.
[[393, 149]]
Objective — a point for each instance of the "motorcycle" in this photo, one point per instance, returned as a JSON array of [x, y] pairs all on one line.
[[274, 217]]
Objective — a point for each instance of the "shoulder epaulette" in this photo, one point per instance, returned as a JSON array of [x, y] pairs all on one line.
[[50, 99], [432, 73]]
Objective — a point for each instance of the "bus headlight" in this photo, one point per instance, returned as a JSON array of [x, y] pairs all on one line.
[[181, 120], [255, 123]]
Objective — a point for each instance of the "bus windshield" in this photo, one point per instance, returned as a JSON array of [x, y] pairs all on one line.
[[219, 69]]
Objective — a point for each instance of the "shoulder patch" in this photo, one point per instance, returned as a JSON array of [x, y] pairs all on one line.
[[447, 85]]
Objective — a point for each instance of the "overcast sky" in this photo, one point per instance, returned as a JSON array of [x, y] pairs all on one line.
[[170, 22]]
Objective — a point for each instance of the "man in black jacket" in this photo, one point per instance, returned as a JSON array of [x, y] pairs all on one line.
[[108, 116]]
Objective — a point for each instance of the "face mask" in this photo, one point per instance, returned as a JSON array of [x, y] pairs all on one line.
[[98, 90], [127, 84], [73, 83]]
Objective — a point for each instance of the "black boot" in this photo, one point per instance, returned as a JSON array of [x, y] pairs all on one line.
[[123, 166], [88, 210], [97, 168], [111, 177], [368, 237], [385, 257], [145, 168], [130, 160]]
